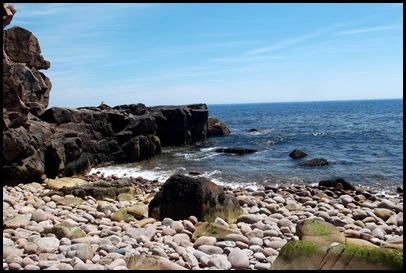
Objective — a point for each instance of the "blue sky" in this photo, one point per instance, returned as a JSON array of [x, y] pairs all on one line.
[[175, 54]]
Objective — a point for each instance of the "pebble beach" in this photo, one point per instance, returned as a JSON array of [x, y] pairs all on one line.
[[268, 222]]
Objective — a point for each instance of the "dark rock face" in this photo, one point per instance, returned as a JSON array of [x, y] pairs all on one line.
[[316, 162], [334, 183], [179, 125], [216, 128], [23, 85], [40, 142], [237, 151], [182, 196], [297, 154]]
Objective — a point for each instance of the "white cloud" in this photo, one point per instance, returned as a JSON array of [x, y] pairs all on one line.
[[366, 30]]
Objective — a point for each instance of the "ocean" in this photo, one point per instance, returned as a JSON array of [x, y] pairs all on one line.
[[362, 141]]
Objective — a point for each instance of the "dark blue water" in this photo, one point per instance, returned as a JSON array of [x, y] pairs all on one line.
[[361, 140]]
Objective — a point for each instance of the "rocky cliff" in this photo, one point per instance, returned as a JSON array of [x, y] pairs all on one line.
[[40, 142]]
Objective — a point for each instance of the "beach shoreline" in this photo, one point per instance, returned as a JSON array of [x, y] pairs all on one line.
[[363, 214]]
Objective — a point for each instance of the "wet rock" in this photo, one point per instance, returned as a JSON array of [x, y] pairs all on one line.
[[297, 154], [316, 162]]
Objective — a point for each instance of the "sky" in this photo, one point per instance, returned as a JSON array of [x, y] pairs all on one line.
[[177, 53]]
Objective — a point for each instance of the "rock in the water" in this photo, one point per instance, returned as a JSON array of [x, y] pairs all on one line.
[[297, 154], [216, 128], [316, 162], [334, 183], [237, 151]]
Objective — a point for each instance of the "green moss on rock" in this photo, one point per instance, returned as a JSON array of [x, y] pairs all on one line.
[[299, 255], [375, 258]]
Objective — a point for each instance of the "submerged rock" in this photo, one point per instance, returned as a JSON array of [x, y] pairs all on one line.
[[297, 154], [237, 151], [316, 162]]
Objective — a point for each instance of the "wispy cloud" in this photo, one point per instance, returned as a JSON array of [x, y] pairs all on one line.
[[366, 30], [286, 43]]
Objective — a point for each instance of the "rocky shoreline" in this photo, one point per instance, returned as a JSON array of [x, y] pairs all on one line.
[[65, 232]]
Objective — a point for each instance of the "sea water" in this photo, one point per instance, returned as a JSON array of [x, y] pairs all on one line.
[[361, 140]]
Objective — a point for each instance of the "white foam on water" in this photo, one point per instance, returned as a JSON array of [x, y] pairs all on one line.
[[123, 171]]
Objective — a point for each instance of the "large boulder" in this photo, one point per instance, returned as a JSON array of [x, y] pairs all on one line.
[[323, 247], [216, 128], [182, 196]]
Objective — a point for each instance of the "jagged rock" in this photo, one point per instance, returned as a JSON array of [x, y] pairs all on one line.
[[8, 13], [237, 151], [24, 86], [316, 162], [179, 125], [40, 143], [334, 183], [297, 154], [182, 196], [216, 128], [323, 247]]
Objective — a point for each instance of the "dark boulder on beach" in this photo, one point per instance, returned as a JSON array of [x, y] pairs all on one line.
[[316, 162], [236, 150], [334, 183], [297, 154], [182, 196]]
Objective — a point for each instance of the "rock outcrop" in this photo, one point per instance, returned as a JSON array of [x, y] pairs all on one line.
[[182, 196], [216, 128], [40, 143], [24, 87], [323, 247], [179, 125]]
